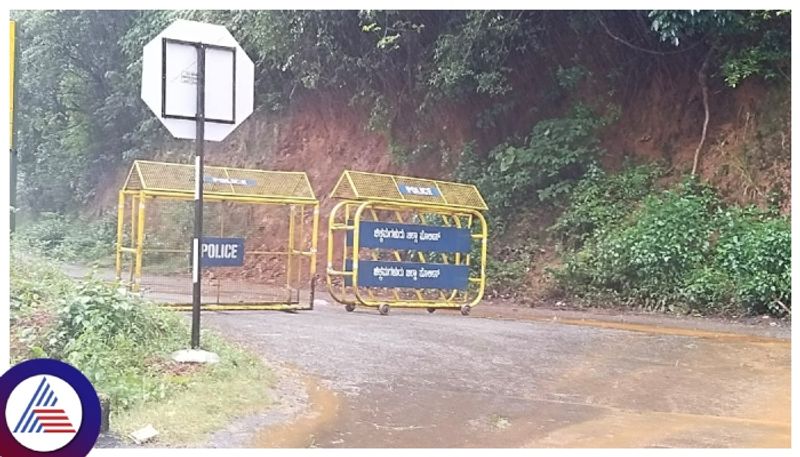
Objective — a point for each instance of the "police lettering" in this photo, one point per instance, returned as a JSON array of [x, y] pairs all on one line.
[[229, 181], [414, 190], [220, 251]]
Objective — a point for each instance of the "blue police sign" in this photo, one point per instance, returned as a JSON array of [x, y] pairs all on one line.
[[388, 235], [420, 191], [229, 181], [411, 275], [222, 252]]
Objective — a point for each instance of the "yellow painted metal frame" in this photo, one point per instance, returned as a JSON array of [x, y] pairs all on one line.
[[11, 62], [361, 186], [139, 190], [346, 216]]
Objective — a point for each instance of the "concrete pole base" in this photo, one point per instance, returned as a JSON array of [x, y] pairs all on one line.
[[195, 356]]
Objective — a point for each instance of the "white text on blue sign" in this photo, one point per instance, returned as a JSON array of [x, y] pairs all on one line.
[[413, 275], [402, 272], [401, 234], [222, 252], [391, 235], [419, 191], [229, 181]]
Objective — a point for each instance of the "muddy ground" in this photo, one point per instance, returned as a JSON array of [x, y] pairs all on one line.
[[513, 377]]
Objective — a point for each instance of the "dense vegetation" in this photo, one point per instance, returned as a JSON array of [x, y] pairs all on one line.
[[626, 241], [69, 237], [122, 344], [621, 234], [80, 113], [677, 249]]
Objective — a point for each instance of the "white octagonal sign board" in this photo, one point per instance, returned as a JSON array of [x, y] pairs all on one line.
[[169, 79]]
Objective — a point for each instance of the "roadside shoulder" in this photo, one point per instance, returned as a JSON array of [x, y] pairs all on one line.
[[753, 327]]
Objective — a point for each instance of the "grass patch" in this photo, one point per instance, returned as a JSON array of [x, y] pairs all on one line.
[[122, 344], [236, 387]]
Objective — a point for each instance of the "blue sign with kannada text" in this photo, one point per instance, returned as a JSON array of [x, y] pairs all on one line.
[[432, 238], [411, 275]]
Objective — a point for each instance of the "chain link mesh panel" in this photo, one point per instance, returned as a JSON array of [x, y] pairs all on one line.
[[273, 212], [277, 247], [220, 181], [358, 185]]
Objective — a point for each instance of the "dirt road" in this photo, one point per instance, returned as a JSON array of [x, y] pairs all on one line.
[[416, 380], [511, 377]]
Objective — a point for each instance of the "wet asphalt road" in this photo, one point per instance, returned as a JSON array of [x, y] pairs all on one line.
[[412, 379]]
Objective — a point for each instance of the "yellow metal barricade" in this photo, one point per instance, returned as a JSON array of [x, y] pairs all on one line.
[[276, 214], [406, 242]]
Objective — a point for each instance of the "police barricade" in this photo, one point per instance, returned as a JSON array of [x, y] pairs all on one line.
[[406, 242], [259, 245]]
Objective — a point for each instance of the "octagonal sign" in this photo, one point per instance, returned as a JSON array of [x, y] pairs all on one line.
[[169, 79]]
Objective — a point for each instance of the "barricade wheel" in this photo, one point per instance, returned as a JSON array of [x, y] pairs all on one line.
[[465, 310], [383, 309], [431, 310], [350, 307]]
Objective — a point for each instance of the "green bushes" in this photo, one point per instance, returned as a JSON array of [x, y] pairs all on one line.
[[122, 344], [69, 238], [600, 199], [541, 169], [646, 256], [517, 178], [507, 268], [116, 339], [754, 252], [34, 283], [683, 248]]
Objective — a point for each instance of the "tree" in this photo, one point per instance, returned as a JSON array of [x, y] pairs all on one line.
[[78, 111]]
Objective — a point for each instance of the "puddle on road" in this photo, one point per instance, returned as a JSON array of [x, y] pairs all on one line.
[[723, 337], [676, 331], [625, 429], [765, 426], [323, 405], [759, 419], [756, 414]]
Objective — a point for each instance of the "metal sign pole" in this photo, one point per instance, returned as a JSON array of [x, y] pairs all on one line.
[[198, 194], [167, 61]]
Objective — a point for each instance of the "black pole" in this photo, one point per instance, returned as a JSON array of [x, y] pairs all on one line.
[[198, 195]]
